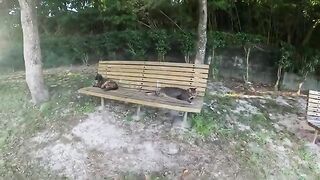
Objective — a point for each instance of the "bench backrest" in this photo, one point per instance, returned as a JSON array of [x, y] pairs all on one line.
[[313, 108], [147, 75]]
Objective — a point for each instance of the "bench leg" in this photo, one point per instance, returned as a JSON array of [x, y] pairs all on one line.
[[185, 117], [136, 117], [315, 136], [138, 111], [102, 102], [185, 124]]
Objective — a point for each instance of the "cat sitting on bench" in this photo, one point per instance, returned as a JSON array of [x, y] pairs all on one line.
[[105, 84]]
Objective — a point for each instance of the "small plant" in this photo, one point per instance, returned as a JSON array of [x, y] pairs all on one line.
[[305, 155], [137, 44], [285, 61], [85, 59], [309, 60], [186, 41], [203, 124], [215, 40], [248, 42], [162, 43]]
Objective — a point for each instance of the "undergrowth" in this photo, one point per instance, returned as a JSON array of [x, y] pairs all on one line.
[[258, 147]]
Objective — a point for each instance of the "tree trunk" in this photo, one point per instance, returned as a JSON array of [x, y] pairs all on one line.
[[301, 83], [212, 63], [202, 32], [299, 87], [187, 58], [238, 18], [276, 86], [247, 68], [32, 52]]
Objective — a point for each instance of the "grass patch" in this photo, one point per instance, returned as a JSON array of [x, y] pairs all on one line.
[[256, 121], [203, 124], [20, 119]]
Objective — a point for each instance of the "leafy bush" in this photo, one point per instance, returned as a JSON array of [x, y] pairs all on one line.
[[128, 44], [57, 51], [186, 44], [243, 38], [162, 44], [137, 44]]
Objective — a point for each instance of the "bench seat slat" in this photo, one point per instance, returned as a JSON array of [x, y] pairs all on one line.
[[158, 77], [153, 85], [314, 101], [313, 105], [161, 82], [140, 97], [311, 92], [151, 89], [162, 68], [140, 71], [313, 109], [155, 63]]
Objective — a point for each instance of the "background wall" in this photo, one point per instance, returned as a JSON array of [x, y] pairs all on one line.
[[232, 64]]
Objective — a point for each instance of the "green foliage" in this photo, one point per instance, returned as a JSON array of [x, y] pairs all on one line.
[[59, 51], [243, 39], [138, 44], [217, 39], [203, 124], [186, 44], [309, 60], [287, 55], [161, 40]]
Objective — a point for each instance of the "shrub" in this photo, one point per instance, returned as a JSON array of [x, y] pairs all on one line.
[[162, 44]]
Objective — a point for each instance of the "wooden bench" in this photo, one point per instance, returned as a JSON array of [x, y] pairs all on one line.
[[135, 78], [313, 112]]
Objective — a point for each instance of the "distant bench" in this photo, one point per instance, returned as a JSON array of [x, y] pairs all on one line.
[[313, 112], [136, 77]]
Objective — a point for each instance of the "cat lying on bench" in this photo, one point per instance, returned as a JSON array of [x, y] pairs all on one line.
[[105, 84], [177, 93]]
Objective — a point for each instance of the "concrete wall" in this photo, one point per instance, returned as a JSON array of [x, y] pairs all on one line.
[[291, 82], [233, 65]]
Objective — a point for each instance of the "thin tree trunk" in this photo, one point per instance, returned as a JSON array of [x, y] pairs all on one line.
[[187, 58], [247, 69], [212, 64], [32, 52], [276, 86], [301, 84], [299, 87], [238, 18], [270, 27], [309, 34], [202, 32]]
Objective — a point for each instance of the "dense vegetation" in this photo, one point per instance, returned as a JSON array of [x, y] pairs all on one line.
[[78, 31]]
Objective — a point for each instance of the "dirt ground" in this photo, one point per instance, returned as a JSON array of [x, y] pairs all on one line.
[[105, 144]]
